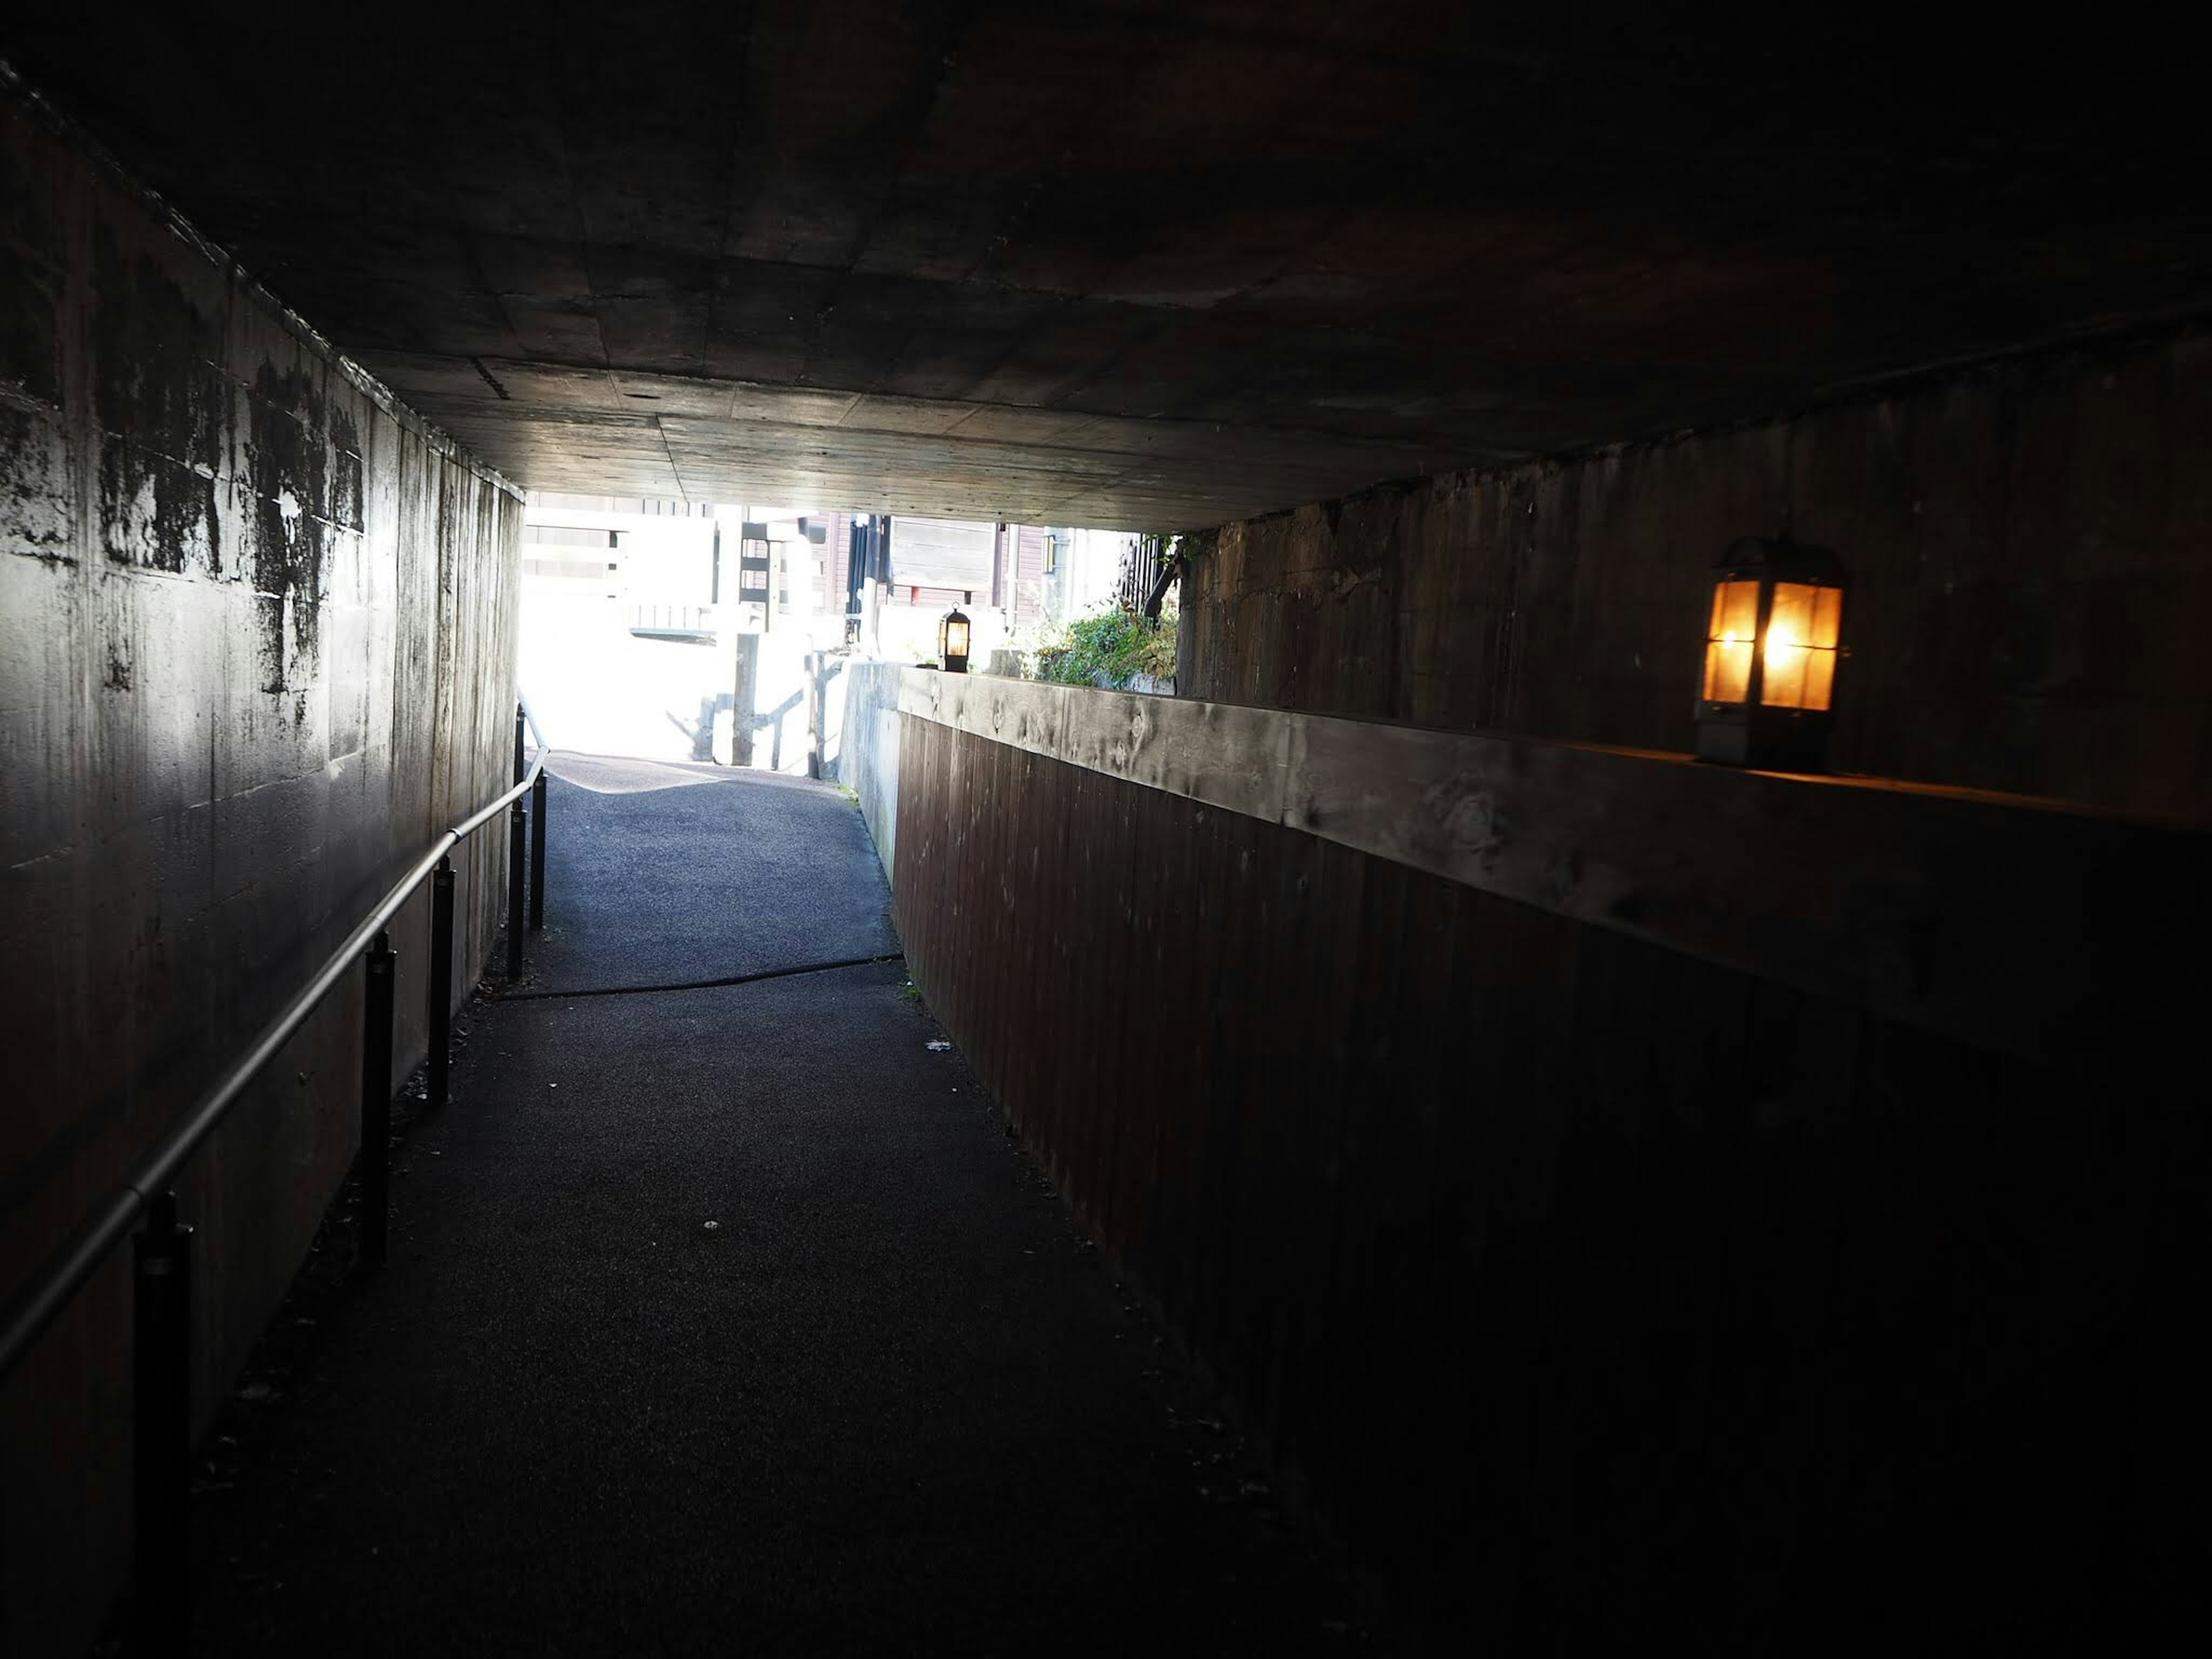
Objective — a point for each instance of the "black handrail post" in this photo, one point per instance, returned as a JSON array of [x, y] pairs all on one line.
[[376, 1102], [162, 1360], [516, 852], [537, 853], [162, 1428], [442, 981]]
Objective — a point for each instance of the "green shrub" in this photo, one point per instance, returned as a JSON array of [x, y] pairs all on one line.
[[1108, 649]]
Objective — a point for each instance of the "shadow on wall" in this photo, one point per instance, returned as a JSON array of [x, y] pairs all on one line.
[[605, 690], [769, 751], [701, 732], [776, 742]]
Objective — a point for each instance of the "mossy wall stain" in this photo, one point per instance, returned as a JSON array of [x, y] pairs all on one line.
[[289, 454], [168, 412], [346, 504], [34, 493], [163, 406]]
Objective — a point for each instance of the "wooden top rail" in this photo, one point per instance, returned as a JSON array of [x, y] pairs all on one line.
[[2017, 925]]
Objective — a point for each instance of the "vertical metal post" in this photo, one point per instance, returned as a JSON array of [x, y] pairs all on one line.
[[442, 981], [162, 1408], [537, 853], [879, 573], [521, 727], [516, 852], [376, 1101]]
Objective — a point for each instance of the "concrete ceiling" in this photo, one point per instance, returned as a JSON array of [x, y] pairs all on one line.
[[1141, 266]]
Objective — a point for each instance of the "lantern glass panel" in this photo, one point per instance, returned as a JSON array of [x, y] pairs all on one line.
[[1801, 631], [1729, 640], [956, 639]]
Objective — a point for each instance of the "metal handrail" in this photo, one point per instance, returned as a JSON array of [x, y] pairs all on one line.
[[70, 1267]]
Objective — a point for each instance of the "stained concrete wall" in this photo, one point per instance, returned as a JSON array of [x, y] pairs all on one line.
[[257, 648], [2025, 544]]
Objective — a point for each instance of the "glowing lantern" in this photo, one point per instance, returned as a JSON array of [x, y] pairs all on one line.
[[1771, 644], [952, 642]]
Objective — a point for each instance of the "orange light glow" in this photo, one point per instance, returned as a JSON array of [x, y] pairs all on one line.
[[1799, 662], [1729, 640]]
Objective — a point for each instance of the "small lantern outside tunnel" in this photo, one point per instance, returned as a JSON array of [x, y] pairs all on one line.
[[1771, 645], [952, 642]]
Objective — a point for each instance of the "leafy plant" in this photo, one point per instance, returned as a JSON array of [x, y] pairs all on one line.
[[1108, 649]]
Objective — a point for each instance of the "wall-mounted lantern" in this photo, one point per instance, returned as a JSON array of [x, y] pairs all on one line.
[[1771, 646], [952, 642]]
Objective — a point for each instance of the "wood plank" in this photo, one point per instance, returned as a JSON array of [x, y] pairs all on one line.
[[942, 553], [1962, 912], [1559, 1263]]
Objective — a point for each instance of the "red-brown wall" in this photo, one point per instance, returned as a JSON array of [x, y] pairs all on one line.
[[2027, 544], [1587, 1287], [1584, 1288]]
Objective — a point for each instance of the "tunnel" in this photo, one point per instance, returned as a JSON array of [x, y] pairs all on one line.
[[931, 825]]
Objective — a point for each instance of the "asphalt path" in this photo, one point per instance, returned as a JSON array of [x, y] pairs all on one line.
[[733, 1320], [661, 873]]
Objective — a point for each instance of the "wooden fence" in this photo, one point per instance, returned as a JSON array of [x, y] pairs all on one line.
[[1584, 1267]]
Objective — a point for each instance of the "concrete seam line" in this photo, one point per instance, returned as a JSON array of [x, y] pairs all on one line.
[[701, 984]]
